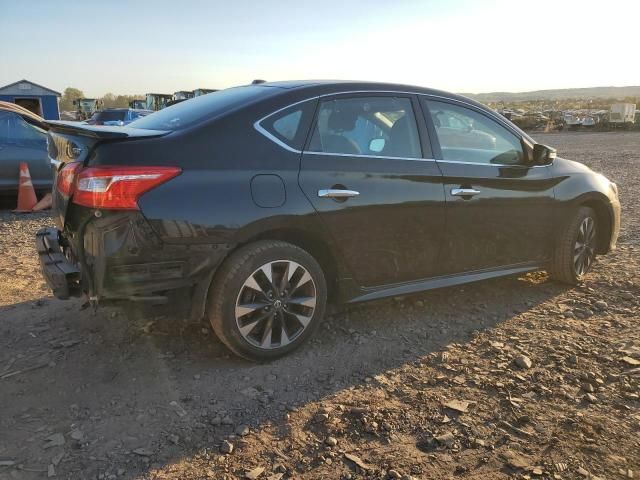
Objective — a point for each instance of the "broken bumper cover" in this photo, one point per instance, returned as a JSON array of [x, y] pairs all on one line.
[[62, 276]]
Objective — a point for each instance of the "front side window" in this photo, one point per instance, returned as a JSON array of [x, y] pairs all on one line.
[[468, 136], [376, 126]]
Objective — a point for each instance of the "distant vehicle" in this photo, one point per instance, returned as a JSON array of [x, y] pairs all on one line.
[[203, 91], [23, 138], [117, 116], [531, 121], [572, 121], [138, 104], [257, 204], [157, 101], [622, 113], [182, 95], [86, 107]]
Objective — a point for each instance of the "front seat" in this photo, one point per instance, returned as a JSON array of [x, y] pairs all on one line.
[[339, 122], [401, 140]]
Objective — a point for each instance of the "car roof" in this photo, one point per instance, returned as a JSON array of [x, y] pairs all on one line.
[[324, 87]]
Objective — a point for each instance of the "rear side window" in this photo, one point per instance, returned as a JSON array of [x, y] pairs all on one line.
[[287, 126], [468, 136], [375, 126], [195, 110], [291, 125]]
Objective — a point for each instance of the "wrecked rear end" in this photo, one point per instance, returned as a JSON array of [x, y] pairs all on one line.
[[103, 246]]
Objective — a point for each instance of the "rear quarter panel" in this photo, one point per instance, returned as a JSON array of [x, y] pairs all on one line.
[[212, 201]]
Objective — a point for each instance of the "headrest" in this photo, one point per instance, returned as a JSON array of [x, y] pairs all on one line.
[[342, 120], [400, 125]]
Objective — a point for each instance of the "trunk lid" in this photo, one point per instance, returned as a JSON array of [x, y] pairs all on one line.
[[73, 143]]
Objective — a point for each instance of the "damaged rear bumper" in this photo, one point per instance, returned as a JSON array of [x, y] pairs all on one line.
[[117, 256], [62, 276]]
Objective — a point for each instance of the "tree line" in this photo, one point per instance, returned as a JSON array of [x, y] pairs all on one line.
[[110, 100]]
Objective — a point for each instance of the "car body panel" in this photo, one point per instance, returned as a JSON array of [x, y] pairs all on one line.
[[507, 223], [576, 185], [398, 214]]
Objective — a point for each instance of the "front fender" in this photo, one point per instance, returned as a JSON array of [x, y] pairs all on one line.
[[578, 186]]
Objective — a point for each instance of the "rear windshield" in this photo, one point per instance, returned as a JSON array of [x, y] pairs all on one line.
[[109, 116], [190, 112]]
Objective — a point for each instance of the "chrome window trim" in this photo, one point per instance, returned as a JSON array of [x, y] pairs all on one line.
[[273, 138], [360, 155], [460, 162], [257, 125]]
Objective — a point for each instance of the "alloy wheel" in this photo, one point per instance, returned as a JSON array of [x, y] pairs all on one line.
[[275, 304], [584, 248]]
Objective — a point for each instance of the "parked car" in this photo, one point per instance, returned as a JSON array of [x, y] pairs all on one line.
[[23, 138], [117, 116], [260, 204]]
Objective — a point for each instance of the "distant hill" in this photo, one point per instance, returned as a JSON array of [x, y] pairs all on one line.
[[557, 94]]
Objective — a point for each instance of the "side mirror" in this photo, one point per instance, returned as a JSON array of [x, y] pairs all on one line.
[[543, 155], [377, 145]]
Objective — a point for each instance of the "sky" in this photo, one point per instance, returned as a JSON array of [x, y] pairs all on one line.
[[160, 46]]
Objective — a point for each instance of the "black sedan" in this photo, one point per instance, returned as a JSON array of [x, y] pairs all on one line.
[[259, 204]]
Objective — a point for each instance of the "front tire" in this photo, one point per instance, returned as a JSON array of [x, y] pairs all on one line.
[[575, 250], [267, 299]]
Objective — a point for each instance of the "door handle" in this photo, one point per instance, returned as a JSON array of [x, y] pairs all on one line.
[[464, 192], [337, 193]]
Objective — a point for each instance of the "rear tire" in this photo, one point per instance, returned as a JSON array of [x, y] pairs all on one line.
[[575, 249], [267, 299]]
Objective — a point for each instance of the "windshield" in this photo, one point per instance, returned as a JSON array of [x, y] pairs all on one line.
[[189, 112]]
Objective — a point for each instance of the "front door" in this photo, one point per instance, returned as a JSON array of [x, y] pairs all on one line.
[[380, 198], [499, 207]]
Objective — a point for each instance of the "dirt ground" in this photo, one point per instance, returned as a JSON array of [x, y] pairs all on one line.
[[512, 378]]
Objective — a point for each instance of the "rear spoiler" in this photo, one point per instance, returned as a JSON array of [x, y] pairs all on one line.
[[101, 132]]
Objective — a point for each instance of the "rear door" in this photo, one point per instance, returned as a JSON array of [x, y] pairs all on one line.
[[367, 171], [499, 208]]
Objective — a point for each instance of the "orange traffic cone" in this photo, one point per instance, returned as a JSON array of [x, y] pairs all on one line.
[[26, 194]]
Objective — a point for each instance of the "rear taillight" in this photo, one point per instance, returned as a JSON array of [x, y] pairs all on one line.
[[118, 187], [66, 178]]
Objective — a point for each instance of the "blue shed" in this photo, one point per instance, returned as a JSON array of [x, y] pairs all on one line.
[[36, 98]]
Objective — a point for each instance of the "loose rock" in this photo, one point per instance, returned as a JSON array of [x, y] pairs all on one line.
[[226, 447], [524, 362]]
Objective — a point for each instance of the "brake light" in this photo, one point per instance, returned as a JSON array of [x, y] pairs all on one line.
[[66, 178], [118, 188]]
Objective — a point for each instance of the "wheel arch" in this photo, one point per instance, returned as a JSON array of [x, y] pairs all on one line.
[[604, 218], [313, 243]]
